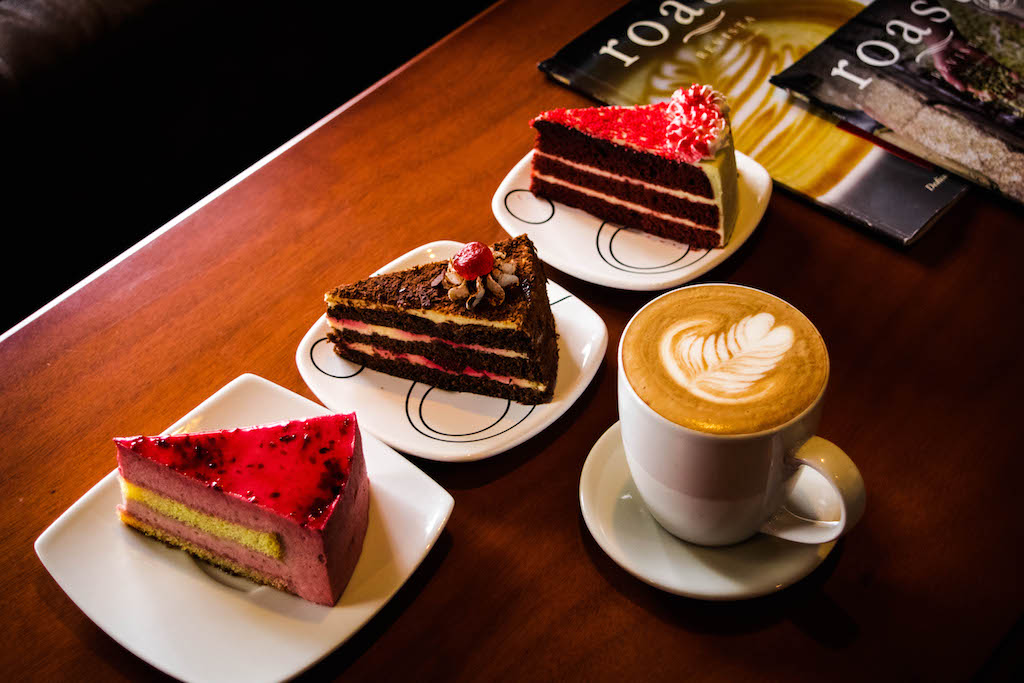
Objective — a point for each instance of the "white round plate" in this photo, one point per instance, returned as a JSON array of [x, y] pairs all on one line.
[[446, 425], [586, 247], [626, 531]]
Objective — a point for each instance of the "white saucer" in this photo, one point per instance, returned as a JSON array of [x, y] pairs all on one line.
[[626, 531], [606, 254], [452, 426]]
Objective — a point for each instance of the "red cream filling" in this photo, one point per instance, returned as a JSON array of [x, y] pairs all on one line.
[[404, 335], [417, 359]]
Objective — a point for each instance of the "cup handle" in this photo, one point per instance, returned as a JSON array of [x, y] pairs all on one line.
[[847, 486]]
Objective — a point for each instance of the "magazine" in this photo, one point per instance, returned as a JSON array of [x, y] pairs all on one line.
[[647, 49], [942, 79]]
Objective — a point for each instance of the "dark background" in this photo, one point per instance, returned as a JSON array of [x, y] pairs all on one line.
[[115, 123]]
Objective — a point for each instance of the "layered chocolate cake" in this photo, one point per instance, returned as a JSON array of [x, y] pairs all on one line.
[[667, 168], [480, 322], [285, 505]]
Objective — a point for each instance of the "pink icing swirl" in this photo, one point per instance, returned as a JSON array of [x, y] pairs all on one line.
[[696, 123]]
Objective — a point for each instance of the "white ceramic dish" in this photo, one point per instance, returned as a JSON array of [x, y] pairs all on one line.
[[626, 531], [445, 425], [196, 623], [586, 247]]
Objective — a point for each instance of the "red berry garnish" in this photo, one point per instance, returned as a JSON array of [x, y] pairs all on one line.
[[473, 260]]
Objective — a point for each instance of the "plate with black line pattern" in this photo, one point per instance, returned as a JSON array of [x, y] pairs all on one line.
[[453, 426], [608, 254]]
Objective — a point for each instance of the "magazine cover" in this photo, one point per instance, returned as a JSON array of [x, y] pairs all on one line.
[[939, 78], [645, 50]]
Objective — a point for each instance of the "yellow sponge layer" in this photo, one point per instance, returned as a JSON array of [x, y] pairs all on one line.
[[260, 541], [202, 553]]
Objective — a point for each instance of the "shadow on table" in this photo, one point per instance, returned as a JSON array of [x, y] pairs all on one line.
[[342, 658], [804, 604]]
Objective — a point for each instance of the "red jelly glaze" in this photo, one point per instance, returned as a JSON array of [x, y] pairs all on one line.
[[296, 469], [648, 126], [473, 260]]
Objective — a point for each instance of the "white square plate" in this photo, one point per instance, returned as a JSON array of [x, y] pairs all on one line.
[[447, 425], [606, 254], [196, 623]]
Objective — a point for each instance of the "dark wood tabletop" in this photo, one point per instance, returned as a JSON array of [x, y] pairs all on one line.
[[925, 395]]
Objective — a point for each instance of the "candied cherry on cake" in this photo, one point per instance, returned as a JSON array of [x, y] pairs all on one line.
[[473, 260]]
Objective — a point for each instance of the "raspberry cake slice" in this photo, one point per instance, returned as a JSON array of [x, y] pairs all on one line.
[[285, 505], [667, 168], [480, 322]]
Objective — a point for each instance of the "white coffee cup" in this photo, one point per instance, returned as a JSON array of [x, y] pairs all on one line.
[[721, 488]]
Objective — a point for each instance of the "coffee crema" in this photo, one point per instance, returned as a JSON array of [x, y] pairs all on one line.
[[724, 359]]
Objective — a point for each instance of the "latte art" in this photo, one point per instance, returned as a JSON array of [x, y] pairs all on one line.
[[729, 367], [724, 359]]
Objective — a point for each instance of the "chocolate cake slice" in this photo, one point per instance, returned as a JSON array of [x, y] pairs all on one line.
[[285, 505], [667, 168], [480, 322]]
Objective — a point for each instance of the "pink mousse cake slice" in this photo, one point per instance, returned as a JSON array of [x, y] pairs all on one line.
[[285, 505]]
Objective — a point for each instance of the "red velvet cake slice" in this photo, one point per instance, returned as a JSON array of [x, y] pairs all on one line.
[[285, 504], [480, 322], [667, 168]]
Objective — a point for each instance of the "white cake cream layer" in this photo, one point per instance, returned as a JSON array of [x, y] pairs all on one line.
[[629, 205], [661, 189], [369, 329], [416, 359], [435, 317]]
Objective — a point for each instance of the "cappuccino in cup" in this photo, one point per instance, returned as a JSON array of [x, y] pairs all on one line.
[[720, 392], [723, 359]]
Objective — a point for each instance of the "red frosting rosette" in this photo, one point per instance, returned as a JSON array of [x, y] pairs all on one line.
[[695, 122]]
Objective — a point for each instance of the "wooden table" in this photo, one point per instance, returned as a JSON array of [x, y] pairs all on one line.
[[926, 391]]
